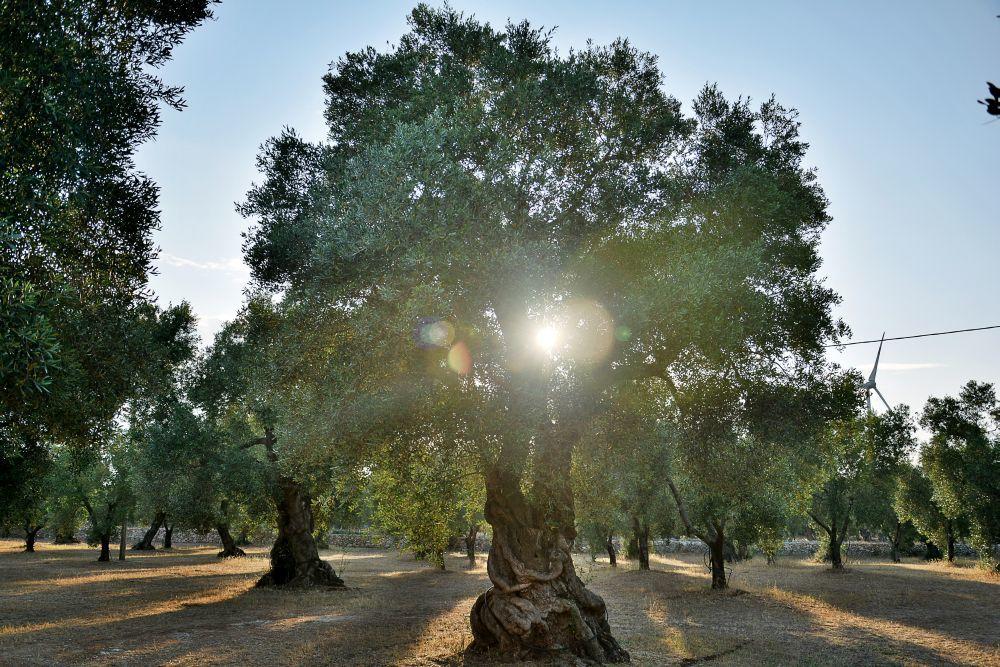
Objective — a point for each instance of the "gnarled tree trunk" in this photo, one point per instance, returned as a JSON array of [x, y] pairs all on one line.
[[295, 560], [30, 533], [229, 548], [610, 546], [537, 609], [146, 543]]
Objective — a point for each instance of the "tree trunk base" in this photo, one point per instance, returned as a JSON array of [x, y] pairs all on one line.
[[286, 573], [235, 552], [533, 614], [105, 556], [544, 627]]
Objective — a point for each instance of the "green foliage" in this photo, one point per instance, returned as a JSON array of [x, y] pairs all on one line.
[[618, 473], [914, 502], [78, 95], [478, 179], [426, 497], [866, 456], [962, 461]]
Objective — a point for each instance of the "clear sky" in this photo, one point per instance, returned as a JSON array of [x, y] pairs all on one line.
[[886, 92]]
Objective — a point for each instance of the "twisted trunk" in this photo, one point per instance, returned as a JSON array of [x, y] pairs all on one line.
[[30, 533], [295, 560], [538, 609], [610, 546], [146, 543]]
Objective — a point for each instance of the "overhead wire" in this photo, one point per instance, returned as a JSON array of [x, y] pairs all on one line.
[[923, 335]]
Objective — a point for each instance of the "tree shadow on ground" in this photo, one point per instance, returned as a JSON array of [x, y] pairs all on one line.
[[388, 606]]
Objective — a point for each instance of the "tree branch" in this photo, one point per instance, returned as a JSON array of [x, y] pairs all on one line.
[[684, 517], [821, 524]]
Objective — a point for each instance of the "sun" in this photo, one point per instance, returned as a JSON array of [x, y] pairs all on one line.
[[547, 338]]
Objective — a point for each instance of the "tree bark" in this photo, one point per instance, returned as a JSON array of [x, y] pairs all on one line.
[[168, 533], [229, 548], [121, 543], [538, 609], [610, 546], [717, 556], [640, 533], [105, 548], [146, 543], [30, 533], [470, 544], [835, 560], [895, 542], [295, 561]]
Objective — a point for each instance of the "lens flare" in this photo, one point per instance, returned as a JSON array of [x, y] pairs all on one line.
[[434, 332], [459, 358], [590, 330]]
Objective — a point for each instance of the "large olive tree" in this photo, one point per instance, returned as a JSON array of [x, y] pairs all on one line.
[[505, 234]]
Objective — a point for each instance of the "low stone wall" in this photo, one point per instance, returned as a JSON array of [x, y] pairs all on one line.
[[364, 539]]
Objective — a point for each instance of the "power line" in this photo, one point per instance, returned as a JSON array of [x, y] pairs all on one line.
[[923, 335]]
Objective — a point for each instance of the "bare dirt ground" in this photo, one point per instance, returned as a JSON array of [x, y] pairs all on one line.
[[185, 607]]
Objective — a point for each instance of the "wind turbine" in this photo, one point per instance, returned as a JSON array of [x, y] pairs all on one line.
[[870, 386]]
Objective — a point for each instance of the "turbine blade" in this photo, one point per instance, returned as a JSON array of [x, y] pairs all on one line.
[[888, 407], [868, 395], [871, 378]]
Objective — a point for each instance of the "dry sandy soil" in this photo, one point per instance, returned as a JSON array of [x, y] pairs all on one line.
[[185, 607]]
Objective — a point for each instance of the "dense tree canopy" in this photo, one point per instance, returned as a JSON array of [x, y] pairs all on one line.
[[504, 235], [962, 461]]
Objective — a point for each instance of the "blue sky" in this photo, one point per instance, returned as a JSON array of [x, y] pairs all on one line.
[[886, 93]]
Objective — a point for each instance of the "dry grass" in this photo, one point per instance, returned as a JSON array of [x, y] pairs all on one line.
[[59, 606]]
